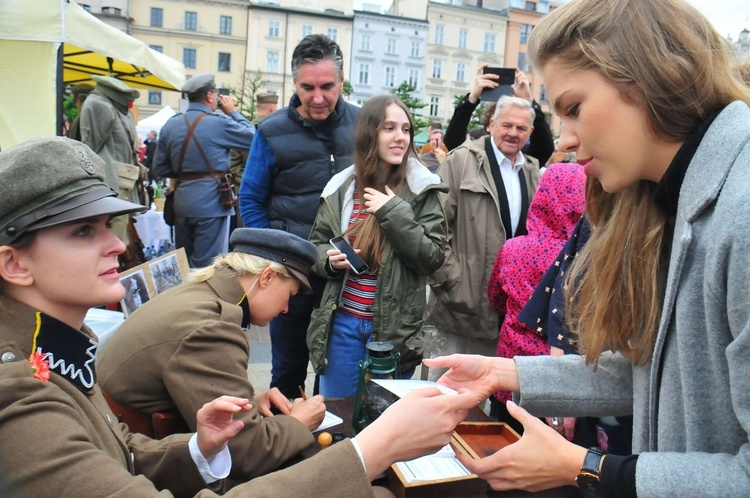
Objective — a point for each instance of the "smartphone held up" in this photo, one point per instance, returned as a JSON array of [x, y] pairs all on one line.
[[356, 263]]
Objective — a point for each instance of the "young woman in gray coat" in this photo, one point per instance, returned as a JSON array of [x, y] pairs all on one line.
[[659, 296]]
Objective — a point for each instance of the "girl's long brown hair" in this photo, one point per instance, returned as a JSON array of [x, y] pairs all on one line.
[[369, 237], [664, 56]]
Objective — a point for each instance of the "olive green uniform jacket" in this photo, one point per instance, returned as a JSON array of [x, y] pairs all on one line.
[[58, 441], [414, 224], [186, 347], [459, 302]]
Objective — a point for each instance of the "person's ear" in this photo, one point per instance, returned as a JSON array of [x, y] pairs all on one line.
[[266, 276], [12, 267]]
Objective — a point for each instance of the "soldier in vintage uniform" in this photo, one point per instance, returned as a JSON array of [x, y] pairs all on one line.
[[196, 162]]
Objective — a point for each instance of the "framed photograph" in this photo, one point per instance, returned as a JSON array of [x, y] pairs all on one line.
[[153, 277], [136, 291], [166, 272]]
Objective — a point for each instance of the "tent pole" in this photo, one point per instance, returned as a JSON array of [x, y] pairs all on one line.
[[60, 89]]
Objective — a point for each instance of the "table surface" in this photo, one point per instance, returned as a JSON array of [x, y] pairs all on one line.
[[344, 407]]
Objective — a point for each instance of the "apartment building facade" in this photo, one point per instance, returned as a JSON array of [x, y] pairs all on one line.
[[386, 51]]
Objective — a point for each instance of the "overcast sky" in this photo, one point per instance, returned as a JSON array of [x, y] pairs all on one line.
[[729, 17]]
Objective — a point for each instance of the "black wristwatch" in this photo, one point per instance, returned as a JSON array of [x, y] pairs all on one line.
[[589, 477]]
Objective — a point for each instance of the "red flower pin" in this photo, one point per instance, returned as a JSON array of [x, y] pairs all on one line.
[[40, 366]]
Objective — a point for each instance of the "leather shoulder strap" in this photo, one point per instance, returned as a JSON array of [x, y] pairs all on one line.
[[188, 136]]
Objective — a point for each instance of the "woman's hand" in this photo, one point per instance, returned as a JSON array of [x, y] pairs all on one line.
[[374, 199], [337, 259], [272, 397], [522, 88], [480, 374], [481, 82], [216, 425], [439, 155], [541, 459], [310, 411]]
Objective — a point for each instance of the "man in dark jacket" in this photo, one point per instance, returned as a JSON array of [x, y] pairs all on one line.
[[295, 152]]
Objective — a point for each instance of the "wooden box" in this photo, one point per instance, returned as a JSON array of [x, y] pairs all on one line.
[[476, 439]]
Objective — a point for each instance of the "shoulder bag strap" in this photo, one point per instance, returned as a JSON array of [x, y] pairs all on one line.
[[191, 129]]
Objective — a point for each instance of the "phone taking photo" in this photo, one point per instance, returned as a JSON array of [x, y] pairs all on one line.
[[506, 80], [357, 264]]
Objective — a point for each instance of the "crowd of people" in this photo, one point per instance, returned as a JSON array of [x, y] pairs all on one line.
[[600, 305]]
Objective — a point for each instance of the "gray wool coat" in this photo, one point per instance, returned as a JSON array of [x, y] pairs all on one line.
[[691, 402]]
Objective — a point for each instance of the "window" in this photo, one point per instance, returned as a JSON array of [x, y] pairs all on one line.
[[523, 62], [461, 71], [434, 106], [157, 17], [191, 21], [111, 10], [439, 32], [272, 62], [225, 61], [154, 98], [364, 74], [489, 43], [463, 35], [390, 47], [333, 34], [274, 29], [530, 5], [437, 68], [415, 48], [365, 43], [543, 94], [390, 76], [85, 7], [307, 30], [188, 57], [414, 77], [525, 32], [157, 48], [225, 25]]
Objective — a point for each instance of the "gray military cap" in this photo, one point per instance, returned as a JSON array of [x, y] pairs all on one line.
[[267, 98], [48, 181], [115, 89], [295, 253], [200, 83]]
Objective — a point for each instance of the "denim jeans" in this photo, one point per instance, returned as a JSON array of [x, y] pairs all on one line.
[[346, 348]]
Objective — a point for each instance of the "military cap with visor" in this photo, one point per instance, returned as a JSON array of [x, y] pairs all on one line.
[[199, 84], [295, 253], [48, 181]]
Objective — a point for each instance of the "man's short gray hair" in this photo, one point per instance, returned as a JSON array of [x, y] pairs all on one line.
[[316, 48], [517, 102]]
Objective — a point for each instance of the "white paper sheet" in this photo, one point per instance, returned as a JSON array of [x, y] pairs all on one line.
[[440, 465], [402, 387], [329, 420]]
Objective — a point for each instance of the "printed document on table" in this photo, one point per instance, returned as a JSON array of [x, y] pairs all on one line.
[[329, 421], [402, 387], [440, 465]]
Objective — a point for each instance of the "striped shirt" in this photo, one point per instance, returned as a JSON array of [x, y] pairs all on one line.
[[358, 296]]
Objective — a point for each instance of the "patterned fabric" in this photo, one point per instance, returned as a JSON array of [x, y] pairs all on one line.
[[359, 290], [522, 261]]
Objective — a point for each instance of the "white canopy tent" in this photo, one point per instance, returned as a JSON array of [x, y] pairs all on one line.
[[155, 121], [46, 44]]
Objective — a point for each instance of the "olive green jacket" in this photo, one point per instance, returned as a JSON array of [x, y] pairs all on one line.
[[414, 224]]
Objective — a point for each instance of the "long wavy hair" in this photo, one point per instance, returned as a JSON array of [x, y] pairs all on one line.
[[369, 237], [665, 57]]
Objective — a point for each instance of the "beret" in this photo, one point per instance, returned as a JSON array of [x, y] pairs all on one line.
[[47, 181], [295, 253], [267, 98], [200, 83]]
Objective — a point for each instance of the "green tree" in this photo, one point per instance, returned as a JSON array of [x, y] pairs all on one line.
[[404, 92], [347, 88], [245, 95]]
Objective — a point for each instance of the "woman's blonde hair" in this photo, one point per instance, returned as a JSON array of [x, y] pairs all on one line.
[[369, 237], [240, 263], [665, 57]]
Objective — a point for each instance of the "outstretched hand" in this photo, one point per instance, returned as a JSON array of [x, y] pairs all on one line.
[[480, 374], [216, 424], [481, 82], [541, 459]]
